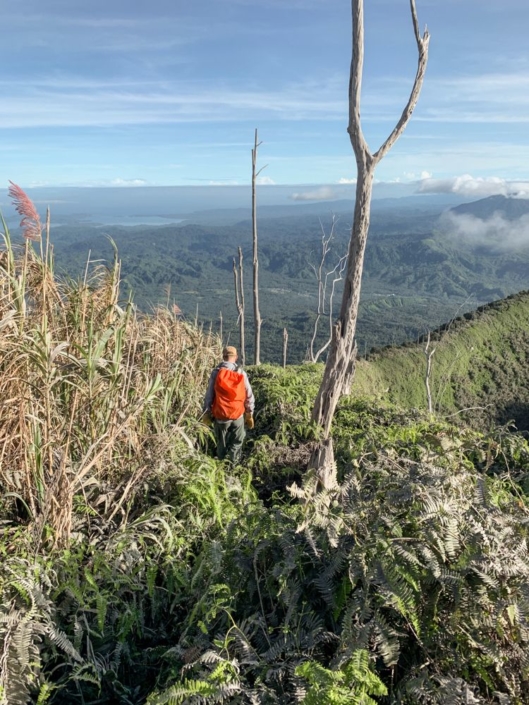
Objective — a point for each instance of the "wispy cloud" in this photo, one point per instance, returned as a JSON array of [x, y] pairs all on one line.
[[324, 193], [77, 100], [64, 102], [488, 97]]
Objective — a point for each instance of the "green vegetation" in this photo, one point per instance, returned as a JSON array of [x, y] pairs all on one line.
[[479, 364], [417, 275], [138, 569]]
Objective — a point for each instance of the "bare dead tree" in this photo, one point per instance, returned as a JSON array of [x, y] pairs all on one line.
[[339, 369], [325, 296], [285, 346], [239, 302], [256, 311], [429, 352]]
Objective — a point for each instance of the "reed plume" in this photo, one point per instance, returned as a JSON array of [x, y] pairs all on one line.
[[30, 223]]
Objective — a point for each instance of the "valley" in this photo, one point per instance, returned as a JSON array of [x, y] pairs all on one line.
[[419, 270]]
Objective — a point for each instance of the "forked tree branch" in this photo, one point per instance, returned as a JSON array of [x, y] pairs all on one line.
[[361, 149], [422, 47], [360, 146]]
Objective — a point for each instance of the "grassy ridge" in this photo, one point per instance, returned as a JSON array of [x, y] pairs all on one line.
[[479, 361]]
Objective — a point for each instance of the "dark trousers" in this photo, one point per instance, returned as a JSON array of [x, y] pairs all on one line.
[[229, 436]]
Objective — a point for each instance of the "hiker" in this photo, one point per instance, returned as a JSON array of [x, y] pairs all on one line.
[[229, 405]]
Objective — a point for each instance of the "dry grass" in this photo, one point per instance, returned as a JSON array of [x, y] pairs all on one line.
[[90, 390]]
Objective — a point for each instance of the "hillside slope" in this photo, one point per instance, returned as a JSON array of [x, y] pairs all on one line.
[[479, 364]]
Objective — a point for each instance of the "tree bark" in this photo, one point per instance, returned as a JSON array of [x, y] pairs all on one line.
[[256, 311], [339, 370], [340, 361]]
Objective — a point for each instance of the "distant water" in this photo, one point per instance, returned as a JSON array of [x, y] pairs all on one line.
[[162, 205], [167, 202], [131, 220]]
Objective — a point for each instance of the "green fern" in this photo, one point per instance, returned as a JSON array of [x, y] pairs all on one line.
[[352, 684]]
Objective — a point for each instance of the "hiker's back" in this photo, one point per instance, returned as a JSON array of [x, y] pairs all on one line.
[[230, 394]]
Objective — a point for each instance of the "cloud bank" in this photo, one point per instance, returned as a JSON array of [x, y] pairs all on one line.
[[495, 233], [467, 185]]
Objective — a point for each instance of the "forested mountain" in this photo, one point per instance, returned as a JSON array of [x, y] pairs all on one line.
[[421, 269], [510, 208]]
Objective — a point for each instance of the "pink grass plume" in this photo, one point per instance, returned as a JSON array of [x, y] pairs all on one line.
[[30, 223]]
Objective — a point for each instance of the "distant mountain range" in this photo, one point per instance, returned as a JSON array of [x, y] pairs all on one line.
[[432, 204], [510, 208], [418, 273]]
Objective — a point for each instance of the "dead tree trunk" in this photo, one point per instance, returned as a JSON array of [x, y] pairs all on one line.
[[429, 355], [239, 302], [339, 369], [256, 311], [285, 347]]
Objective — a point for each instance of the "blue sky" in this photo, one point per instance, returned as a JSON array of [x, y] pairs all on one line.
[[169, 92]]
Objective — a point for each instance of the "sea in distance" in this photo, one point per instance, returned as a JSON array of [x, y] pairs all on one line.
[[163, 205], [143, 205]]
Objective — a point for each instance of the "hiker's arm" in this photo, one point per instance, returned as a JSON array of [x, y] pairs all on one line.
[[249, 404], [208, 401]]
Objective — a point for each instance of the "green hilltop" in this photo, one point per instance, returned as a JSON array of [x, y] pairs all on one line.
[[478, 363]]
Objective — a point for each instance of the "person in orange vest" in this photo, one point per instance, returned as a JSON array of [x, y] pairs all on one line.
[[229, 405]]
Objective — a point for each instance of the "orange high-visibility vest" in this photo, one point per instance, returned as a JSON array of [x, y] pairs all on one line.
[[229, 396]]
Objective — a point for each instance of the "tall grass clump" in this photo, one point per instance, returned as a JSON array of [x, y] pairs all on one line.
[[107, 500], [91, 391]]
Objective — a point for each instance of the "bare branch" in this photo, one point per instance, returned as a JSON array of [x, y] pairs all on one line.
[[354, 129], [325, 302], [422, 46], [239, 302], [340, 267]]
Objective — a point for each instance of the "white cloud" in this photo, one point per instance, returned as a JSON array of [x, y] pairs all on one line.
[[128, 182], [324, 193], [343, 180], [478, 187], [265, 181], [412, 176], [495, 233]]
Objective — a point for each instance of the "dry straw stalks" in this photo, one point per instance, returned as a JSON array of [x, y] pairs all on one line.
[[91, 392]]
